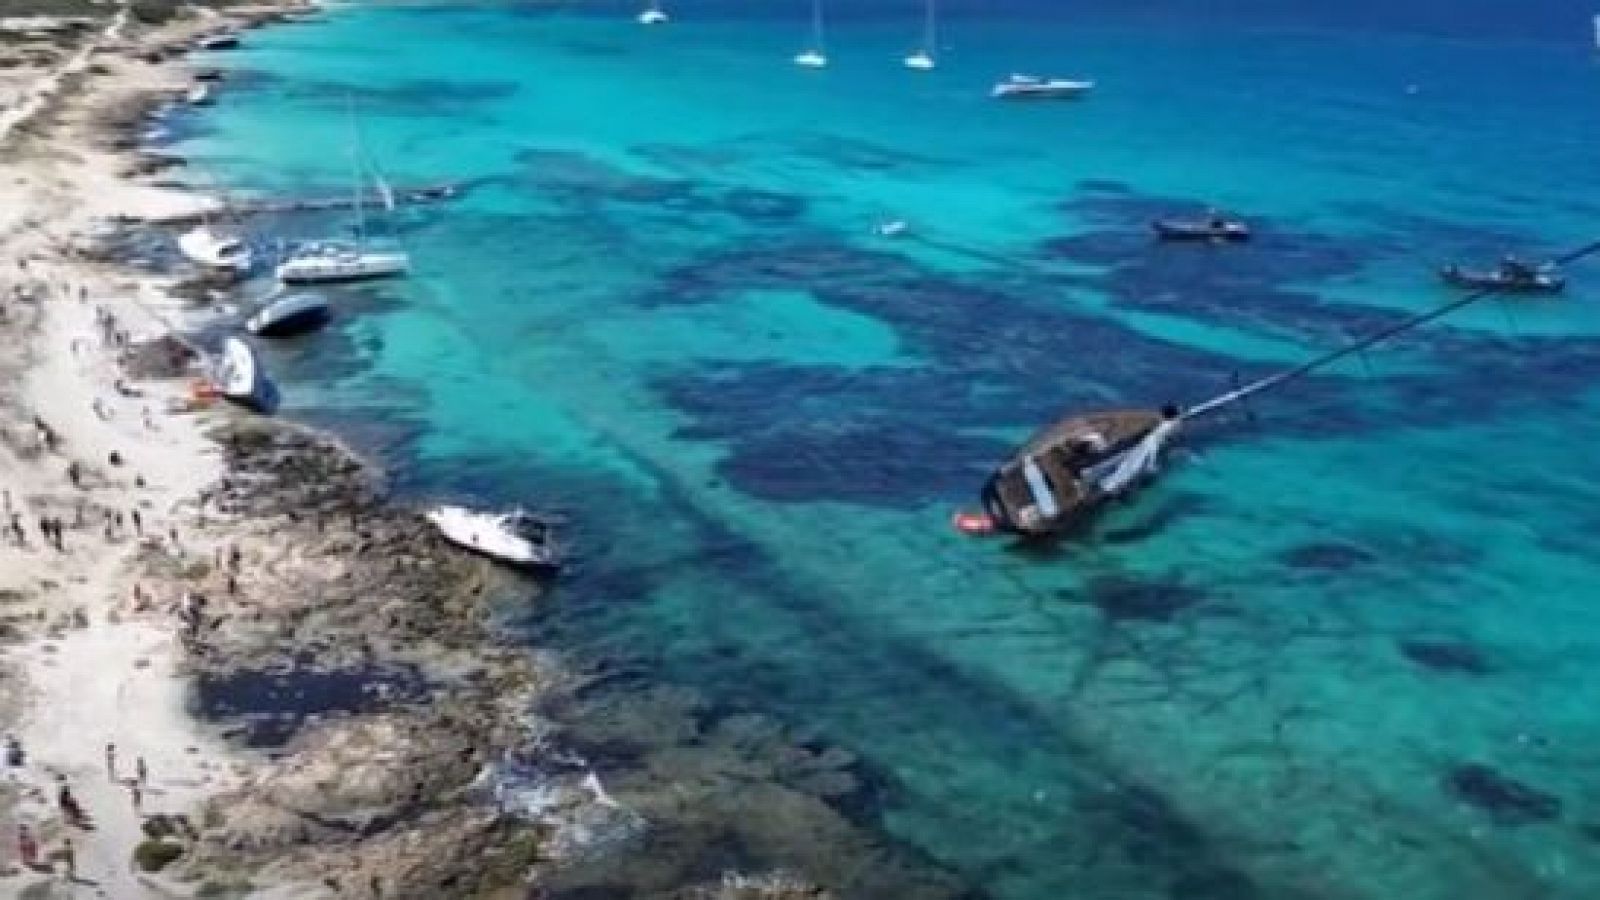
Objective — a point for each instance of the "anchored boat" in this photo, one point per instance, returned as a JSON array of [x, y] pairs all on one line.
[[517, 538], [1214, 228], [1032, 87], [290, 315], [1510, 277], [216, 249]]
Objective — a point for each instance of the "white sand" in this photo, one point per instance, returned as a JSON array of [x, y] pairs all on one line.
[[114, 678]]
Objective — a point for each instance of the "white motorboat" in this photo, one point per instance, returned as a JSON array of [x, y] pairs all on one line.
[[814, 56], [220, 41], [517, 537], [289, 315], [216, 250], [655, 15], [241, 378], [333, 261], [1029, 87], [893, 228], [922, 59], [199, 95]]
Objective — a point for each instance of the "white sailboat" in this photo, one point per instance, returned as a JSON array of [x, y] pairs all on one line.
[[814, 56], [922, 60], [654, 15], [216, 243], [347, 260]]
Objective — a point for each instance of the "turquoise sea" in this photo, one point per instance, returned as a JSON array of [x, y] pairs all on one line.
[[1345, 648]]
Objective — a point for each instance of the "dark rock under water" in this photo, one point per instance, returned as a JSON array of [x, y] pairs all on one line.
[[1123, 598], [1506, 800], [1445, 656]]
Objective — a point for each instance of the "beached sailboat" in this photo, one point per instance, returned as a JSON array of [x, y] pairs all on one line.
[[1062, 475], [290, 315], [815, 56], [921, 59], [653, 14], [348, 260], [517, 538], [240, 377]]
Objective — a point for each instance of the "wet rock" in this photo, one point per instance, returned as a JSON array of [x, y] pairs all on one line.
[[1506, 800], [1445, 656]]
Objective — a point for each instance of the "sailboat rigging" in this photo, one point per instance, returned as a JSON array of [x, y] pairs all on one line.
[[922, 59], [1061, 475], [815, 56], [346, 260]]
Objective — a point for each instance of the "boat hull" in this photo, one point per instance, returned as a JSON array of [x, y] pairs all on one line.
[[243, 380], [1049, 90], [1200, 232], [1544, 284], [343, 269], [487, 536], [290, 316]]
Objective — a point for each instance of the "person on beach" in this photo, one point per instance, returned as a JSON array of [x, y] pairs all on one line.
[[111, 754], [70, 810], [141, 774], [138, 522], [137, 796], [75, 474], [70, 857], [27, 847]]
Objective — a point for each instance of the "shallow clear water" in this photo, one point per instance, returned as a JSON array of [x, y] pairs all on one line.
[[661, 306]]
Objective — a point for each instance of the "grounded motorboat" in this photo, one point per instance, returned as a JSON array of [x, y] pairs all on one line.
[[240, 377], [1215, 227], [199, 95], [517, 537], [290, 315], [1069, 469], [1510, 277], [334, 261], [224, 41], [216, 250], [1030, 87]]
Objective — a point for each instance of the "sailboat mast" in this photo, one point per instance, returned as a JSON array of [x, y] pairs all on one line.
[[355, 171], [929, 36], [1311, 365], [816, 24]]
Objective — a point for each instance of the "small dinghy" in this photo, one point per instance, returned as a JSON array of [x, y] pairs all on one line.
[[290, 315], [240, 377], [1215, 228], [516, 538], [1030, 87], [1512, 276]]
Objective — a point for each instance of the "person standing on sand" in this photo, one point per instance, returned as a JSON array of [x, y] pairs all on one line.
[[27, 847], [140, 772], [111, 752], [138, 523], [70, 857], [136, 796]]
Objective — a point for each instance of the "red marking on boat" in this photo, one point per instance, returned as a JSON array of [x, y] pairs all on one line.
[[974, 523]]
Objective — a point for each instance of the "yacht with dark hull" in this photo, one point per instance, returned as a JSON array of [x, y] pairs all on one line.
[[1510, 277], [290, 315]]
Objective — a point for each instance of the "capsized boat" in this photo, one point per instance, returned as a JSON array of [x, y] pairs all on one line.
[[1065, 472], [1068, 470], [240, 376], [1214, 227], [1032, 87], [1512, 276], [517, 537], [290, 315], [326, 262], [215, 249]]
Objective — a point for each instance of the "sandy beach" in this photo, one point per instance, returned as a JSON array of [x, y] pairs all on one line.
[[105, 545]]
